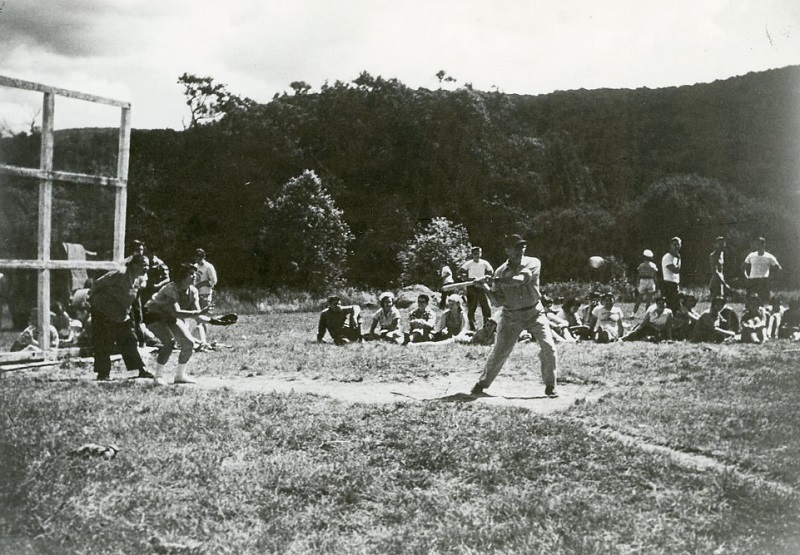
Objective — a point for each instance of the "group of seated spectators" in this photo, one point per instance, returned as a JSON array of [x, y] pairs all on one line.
[[68, 327], [599, 319], [425, 326]]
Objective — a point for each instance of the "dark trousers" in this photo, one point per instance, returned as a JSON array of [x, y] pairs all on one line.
[[111, 337], [671, 296], [476, 296]]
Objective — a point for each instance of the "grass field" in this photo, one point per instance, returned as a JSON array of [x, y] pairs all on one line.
[[223, 472]]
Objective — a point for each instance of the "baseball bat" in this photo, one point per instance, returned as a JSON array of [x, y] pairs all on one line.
[[457, 285]]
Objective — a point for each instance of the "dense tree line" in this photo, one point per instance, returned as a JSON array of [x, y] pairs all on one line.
[[607, 172]]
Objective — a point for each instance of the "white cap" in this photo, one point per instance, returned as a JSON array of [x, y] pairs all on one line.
[[648, 253]]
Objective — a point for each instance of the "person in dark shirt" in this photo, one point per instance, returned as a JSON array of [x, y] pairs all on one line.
[[111, 298], [343, 323]]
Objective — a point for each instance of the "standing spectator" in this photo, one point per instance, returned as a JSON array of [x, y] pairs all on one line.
[[671, 273], [476, 268], [646, 288], [206, 281], [656, 325], [422, 321], [386, 321], [166, 313], [446, 274], [716, 261], [607, 320], [757, 266], [516, 289], [343, 323], [111, 298]]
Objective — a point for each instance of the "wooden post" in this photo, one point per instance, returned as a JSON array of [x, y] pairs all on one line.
[[45, 219], [121, 198]]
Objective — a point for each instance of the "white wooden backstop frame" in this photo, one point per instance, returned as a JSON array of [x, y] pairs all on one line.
[[46, 176]]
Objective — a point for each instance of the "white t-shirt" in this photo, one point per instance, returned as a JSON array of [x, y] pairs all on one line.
[[447, 274], [666, 260], [477, 270], [760, 264], [659, 321]]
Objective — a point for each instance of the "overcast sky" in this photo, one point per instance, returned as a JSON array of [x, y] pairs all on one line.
[[134, 50]]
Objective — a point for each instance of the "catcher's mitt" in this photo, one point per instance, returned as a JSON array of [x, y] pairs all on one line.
[[224, 320]]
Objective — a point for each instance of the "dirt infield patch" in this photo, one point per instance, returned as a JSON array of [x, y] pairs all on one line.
[[452, 388]]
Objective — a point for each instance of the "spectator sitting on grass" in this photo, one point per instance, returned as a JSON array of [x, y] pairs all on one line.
[[774, 312], [587, 316], [790, 322], [569, 312], [386, 321], [422, 321], [608, 320], [343, 323], [714, 326], [28, 340], [656, 324], [453, 323], [754, 321], [558, 325], [684, 321]]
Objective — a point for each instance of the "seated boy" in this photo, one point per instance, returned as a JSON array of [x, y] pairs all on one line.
[[421, 321], [343, 323], [607, 320], [790, 322]]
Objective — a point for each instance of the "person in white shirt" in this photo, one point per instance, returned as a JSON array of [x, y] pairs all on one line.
[[206, 281], [608, 320], [656, 325], [476, 268], [671, 274], [756, 267]]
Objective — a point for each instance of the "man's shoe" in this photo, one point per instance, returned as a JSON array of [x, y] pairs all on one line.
[[143, 373], [184, 378], [477, 390], [550, 392], [103, 377]]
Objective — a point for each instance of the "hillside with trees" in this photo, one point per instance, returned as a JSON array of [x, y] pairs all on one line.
[[580, 173]]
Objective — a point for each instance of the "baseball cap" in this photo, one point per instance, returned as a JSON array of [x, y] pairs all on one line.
[[513, 240]]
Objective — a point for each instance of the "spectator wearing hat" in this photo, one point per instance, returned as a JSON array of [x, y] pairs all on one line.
[[757, 268], [671, 274], [656, 324], [343, 323], [515, 287], [206, 281], [716, 262], [386, 321], [111, 298], [646, 288], [476, 268]]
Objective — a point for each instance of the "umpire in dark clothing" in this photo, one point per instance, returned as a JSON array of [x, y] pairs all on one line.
[[111, 298]]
